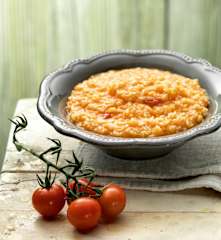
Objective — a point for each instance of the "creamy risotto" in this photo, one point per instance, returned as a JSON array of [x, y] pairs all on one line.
[[137, 102]]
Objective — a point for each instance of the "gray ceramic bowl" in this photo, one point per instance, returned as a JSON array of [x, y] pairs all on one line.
[[57, 86]]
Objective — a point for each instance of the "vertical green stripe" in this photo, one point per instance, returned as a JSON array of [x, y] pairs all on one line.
[[192, 27]]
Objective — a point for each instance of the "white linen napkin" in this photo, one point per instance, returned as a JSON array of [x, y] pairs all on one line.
[[195, 164]]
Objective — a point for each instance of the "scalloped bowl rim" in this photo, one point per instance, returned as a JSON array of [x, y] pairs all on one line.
[[65, 128]]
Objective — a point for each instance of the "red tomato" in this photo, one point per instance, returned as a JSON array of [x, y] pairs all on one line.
[[84, 188], [107, 115], [49, 202], [84, 213], [151, 101], [112, 201]]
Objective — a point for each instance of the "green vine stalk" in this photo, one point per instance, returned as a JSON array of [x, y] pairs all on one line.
[[72, 170]]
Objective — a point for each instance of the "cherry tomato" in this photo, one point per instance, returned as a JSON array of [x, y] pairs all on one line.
[[84, 188], [49, 202], [84, 213], [112, 201]]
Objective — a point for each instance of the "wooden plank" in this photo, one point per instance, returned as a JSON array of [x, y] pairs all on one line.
[[216, 34], [115, 24], [147, 215], [62, 35], [23, 225], [151, 25], [142, 23], [19, 186], [99, 31], [194, 28]]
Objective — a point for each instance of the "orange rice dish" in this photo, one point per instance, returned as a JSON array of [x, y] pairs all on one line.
[[137, 103]]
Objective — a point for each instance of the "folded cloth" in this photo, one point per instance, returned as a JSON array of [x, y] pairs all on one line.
[[195, 164]]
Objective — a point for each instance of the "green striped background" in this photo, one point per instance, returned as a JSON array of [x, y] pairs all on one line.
[[37, 36]]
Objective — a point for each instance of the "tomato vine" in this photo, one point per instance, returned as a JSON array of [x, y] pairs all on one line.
[[72, 170]]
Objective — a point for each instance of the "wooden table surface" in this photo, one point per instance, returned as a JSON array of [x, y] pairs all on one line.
[[193, 214]]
